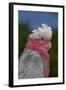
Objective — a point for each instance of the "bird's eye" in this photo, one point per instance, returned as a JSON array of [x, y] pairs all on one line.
[[42, 39]]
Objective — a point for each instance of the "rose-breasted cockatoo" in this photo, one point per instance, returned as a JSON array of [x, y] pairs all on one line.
[[34, 61]]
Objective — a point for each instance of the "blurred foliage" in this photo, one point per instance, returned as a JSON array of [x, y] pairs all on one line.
[[24, 31], [54, 55]]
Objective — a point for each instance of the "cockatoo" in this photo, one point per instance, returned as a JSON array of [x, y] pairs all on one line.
[[34, 61]]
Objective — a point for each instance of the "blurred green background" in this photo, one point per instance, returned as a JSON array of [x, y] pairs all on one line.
[[24, 31], [54, 55]]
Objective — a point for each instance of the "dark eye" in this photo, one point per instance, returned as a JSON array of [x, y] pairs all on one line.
[[42, 39]]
